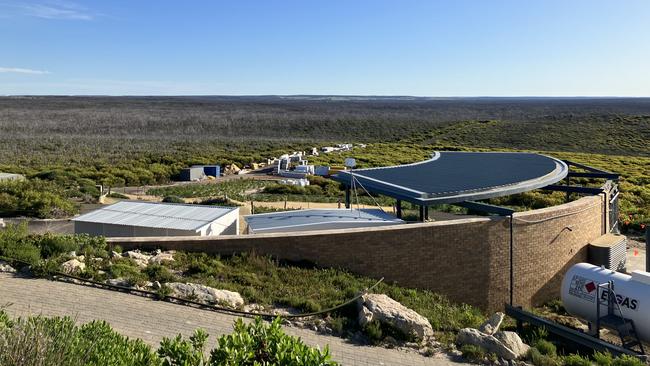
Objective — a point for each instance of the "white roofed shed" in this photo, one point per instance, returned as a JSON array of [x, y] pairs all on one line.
[[136, 218]]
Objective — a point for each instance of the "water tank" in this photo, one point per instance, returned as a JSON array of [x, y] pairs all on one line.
[[580, 291]]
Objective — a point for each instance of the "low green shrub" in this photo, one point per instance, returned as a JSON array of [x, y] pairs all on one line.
[[173, 199], [539, 359], [473, 353], [603, 358], [258, 343], [117, 195], [576, 360], [546, 347], [627, 360], [157, 272], [374, 332]]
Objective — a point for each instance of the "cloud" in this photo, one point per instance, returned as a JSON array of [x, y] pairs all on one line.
[[18, 70], [53, 9]]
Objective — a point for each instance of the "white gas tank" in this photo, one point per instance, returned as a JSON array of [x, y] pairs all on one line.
[[580, 291]]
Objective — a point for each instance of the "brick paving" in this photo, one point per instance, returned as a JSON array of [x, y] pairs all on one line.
[[150, 320]]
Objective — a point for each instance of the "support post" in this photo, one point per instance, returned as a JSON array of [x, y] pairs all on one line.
[[422, 213], [347, 196], [398, 209], [426, 212], [512, 267], [647, 246]]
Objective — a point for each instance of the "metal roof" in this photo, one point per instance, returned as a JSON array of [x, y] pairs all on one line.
[[319, 219], [453, 176], [156, 215]]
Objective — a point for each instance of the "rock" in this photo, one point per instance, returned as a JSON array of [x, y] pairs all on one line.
[[492, 325], [205, 294], [116, 255], [156, 285], [365, 316], [73, 266], [161, 257], [386, 310], [513, 342], [485, 341], [5, 267], [253, 308], [121, 282], [140, 259]]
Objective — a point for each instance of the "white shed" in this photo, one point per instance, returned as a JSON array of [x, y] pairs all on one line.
[[136, 218]]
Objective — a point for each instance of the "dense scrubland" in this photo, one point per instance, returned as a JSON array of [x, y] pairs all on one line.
[[77, 142]]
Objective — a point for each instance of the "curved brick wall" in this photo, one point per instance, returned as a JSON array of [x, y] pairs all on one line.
[[467, 259]]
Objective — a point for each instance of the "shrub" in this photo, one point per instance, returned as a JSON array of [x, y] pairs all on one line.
[[117, 195], [258, 343], [473, 353], [545, 347], [576, 360], [173, 199], [159, 273], [181, 352], [603, 358], [539, 359], [58, 341], [374, 332], [627, 360]]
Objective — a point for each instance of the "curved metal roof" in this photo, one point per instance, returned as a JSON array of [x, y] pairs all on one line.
[[453, 176]]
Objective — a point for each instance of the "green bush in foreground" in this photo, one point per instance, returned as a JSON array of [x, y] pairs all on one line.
[[40, 341]]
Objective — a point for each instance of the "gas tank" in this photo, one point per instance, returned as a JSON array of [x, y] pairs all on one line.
[[580, 292]]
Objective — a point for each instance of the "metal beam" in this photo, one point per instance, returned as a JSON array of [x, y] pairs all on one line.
[[586, 167], [594, 175], [484, 207], [398, 209], [573, 189], [569, 334]]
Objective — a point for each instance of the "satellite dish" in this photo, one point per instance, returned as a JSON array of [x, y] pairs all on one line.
[[350, 162]]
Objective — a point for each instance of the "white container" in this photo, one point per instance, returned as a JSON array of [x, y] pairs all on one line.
[[580, 290]]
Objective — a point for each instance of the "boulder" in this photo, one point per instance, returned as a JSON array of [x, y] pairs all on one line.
[[365, 316], [205, 294], [121, 282], [116, 255], [513, 342], [485, 341], [492, 325], [73, 266], [5, 267], [161, 257], [386, 310], [140, 259]]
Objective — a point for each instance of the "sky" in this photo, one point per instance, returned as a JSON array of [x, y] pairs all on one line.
[[439, 48]]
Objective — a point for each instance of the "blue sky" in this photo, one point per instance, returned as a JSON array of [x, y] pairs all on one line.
[[364, 47]]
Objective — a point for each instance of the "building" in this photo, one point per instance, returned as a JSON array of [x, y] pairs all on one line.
[[10, 176], [295, 182], [136, 218], [318, 219], [192, 174], [321, 170]]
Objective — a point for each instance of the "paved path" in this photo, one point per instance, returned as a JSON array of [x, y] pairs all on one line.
[[150, 320]]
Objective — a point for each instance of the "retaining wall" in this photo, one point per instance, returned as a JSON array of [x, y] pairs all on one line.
[[466, 260]]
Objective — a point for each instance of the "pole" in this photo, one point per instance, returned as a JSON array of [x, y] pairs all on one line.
[[647, 246], [422, 213], [347, 196], [512, 268], [398, 208]]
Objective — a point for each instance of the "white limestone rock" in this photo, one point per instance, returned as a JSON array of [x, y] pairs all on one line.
[[513, 342], [140, 259], [162, 257], [205, 294], [493, 323], [386, 310], [485, 341], [73, 266], [5, 267]]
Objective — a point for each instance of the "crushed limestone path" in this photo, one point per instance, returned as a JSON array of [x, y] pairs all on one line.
[[150, 320]]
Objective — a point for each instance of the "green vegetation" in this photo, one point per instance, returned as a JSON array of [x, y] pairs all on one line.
[[258, 279], [58, 341], [36, 198]]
